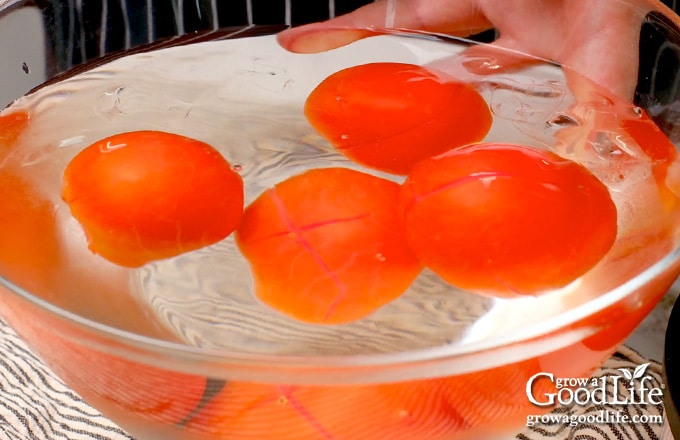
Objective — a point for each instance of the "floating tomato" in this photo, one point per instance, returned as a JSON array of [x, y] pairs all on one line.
[[325, 246], [148, 195], [507, 219], [388, 116]]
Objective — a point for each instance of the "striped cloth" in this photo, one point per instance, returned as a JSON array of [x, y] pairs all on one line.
[[36, 405]]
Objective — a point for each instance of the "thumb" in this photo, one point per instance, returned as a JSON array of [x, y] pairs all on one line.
[[339, 31], [320, 37], [455, 17]]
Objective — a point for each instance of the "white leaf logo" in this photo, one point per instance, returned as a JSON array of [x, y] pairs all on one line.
[[637, 373], [626, 373], [640, 370]]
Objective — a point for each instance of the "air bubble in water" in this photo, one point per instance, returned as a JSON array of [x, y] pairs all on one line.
[[109, 104], [562, 120], [616, 162]]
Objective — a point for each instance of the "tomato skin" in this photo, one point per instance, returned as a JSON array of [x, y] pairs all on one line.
[[29, 254], [148, 195], [650, 138], [11, 127], [389, 116], [324, 246], [660, 151], [506, 219], [417, 410]]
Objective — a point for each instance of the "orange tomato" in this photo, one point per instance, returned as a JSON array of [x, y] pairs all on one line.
[[650, 138], [660, 151], [29, 252], [388, 116], [506, 219], [434, 409], [11, 127], [147, 195], [324, 246], [404, 411]]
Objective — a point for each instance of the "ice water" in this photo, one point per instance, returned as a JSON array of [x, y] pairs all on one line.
[[245, 98]]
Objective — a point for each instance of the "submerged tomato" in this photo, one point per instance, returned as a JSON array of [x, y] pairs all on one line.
[[660, 151], [388, 116], [325, 246], [29, 253], [650, 138], [147, 195], [506, 219], [418, 410], [11, 126]]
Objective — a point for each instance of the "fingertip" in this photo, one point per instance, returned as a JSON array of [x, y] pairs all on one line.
[[318, 37]]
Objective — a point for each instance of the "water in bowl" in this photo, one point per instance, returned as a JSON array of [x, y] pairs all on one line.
[[245, 98]]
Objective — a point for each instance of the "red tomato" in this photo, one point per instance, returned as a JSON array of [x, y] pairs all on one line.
[[658, 148], [148, 195], [29, 253], [325, 246], [433, 409], [11, 126], [388, 116], [404, 411], [506, 219], [650, 138]]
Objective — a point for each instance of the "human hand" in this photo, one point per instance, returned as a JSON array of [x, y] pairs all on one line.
[[598, 39]]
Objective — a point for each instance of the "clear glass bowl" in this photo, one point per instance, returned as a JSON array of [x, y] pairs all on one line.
[[180, 349]]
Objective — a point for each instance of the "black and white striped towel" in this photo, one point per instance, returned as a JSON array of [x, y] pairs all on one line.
[[36, 405]]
